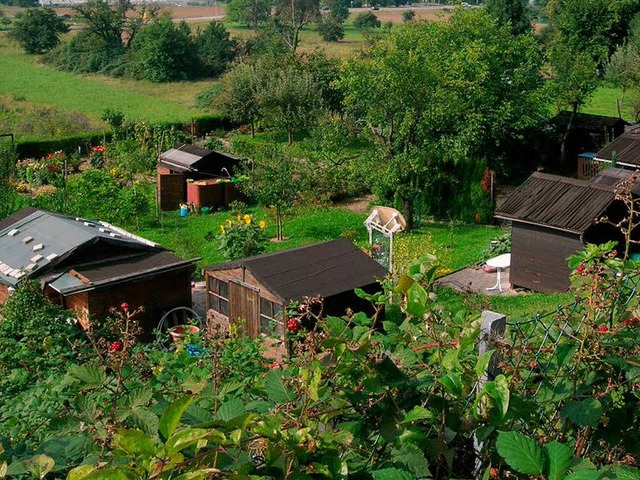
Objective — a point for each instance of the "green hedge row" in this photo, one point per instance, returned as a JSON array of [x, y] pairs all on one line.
[[40, 148]]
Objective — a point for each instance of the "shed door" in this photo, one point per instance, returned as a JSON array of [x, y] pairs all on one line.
[[244, 305]]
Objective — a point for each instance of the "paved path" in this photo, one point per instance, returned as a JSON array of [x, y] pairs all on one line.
[[476, 280]]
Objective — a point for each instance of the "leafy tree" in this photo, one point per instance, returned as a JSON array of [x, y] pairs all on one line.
[[366, 20], [515, 13], [215, 48], [242, 87], [249, 12], [292, 16], [326, 73], [436, 96], [38, 30], [107, 23], [331, 27], [164, 52], [408, 15], [272, 180], [290, 101]]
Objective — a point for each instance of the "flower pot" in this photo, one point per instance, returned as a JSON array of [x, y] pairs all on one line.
[[181, 332]]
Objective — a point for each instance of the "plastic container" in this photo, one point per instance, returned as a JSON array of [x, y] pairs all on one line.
[[184, 211], [180, 332]]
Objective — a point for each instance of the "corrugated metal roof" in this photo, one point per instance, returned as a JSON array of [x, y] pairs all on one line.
[[557, 202], [627, 148], [189, 158], [324, 269], [42, 239]]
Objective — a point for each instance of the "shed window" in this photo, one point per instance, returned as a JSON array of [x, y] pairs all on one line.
[[218, 292], [271, 318]]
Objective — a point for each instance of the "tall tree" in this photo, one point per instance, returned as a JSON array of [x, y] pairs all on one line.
[[290, 101], [38, 30], [241, 90], [515, 13], [215, 48], [293, 15], [250, 12], [437, 94]]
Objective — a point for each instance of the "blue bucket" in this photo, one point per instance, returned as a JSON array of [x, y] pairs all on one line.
[[184, 211]]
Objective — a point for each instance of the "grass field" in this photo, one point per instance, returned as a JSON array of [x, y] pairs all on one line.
[[603, 102], [21, 77]]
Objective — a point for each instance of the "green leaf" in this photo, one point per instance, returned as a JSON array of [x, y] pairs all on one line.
[[110, 474], [81, 472], [498, 391], [276, 388], [411, 458], [404, 283], [584, 475], [145, 420], [585, 413], [39, 465], [184, 439], [560, 460], [336, 325], [134, 442], [520, 452], [417, 413], [452, 382], [139, 398], [230, 409], [172, 415], [417, 300], [92, 377], [392, 474], [482, 363], [198, 474], [622, 472], [3, 469]]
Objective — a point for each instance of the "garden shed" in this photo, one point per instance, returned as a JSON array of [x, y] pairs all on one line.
[[91, 266], [197, 175], [259, 289], [625, 148], [552, 218]]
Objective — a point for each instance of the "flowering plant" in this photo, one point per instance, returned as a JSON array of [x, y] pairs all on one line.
[[98, 156], [242, 237]]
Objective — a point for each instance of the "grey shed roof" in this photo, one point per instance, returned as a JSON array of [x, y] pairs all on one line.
[[557, 202], [627, 148], [39, 240], [325, 269], [188, 158]]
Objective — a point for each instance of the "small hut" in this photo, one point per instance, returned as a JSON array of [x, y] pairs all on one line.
[[554, 217], [198, 176], [257, 290]]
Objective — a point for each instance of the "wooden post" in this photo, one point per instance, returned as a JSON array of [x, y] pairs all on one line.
[[493, 325]]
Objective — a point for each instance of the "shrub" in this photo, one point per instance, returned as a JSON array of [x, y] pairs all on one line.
[[88, 52], [38, 30], [408, 15], [366, 20], [242, 237], [215, 48], [331, 28]]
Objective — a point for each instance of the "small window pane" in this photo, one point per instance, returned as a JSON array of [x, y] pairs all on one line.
[[223, 289], [224, 307]]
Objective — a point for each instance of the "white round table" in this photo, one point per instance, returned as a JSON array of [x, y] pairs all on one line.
[[500, 263]]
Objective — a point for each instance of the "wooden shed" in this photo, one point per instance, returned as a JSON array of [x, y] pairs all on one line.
[[257, 290], [90, 266], [552, 218], [196, 175]]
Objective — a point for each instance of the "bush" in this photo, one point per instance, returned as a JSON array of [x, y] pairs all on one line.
[[38, 30], [163, 52], [88, 52], [331, 28], [215, 48], [366, 20], [408, 15]]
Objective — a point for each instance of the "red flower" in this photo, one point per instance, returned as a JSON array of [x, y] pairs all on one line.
[[115, 346], [124, 306], [292, 325], [603, 329], [580, 269]]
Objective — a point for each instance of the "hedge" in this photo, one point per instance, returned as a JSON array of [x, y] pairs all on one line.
[[40, 148]]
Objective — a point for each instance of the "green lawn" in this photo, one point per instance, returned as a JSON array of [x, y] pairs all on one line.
[[603, 102], [21, 77]]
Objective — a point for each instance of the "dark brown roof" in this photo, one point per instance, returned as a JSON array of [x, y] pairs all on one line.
[[19, 215], [558, 202], [588, 121], [325, 269], [85, 277], [627, 148]]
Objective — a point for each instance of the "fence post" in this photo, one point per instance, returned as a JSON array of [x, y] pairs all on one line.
[[493, 325]]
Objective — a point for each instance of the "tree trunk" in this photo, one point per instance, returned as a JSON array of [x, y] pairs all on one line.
[[279, 223], [565, 137], [253, 129], [290, 137], [407, 212]]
